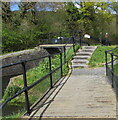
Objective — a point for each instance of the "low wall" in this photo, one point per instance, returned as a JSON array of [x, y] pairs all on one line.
[[15, 70]]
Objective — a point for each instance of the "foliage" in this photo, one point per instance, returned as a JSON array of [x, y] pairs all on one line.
[[26, 33], [94, 19], [116, 69], [24, 40], [25, 27], [10, 91], [73, 16], [98, 57], [114, 38], [115, 52]]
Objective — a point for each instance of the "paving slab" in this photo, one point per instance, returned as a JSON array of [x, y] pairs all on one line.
[[85, 96]]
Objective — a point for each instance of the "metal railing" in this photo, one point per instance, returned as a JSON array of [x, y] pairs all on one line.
[[27, 87], [111, 60], [52, 38]]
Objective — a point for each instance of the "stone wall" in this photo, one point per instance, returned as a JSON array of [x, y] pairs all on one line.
[[15, 57]]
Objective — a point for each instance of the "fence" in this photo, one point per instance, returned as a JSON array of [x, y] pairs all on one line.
[[111, 61], [62, 38], [62, 59]]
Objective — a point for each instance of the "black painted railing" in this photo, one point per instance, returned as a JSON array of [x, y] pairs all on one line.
[[26, 88], [111, 61], [63, 38]]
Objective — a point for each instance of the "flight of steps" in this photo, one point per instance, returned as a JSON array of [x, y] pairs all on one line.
[[81, 59]]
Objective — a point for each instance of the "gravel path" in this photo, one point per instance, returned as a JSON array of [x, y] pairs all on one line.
[[90, 71]]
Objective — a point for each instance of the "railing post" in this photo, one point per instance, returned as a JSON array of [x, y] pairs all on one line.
[[80, 35], [25, 85], [50, 67], [112, 68], [73, 45], [64, 54], [106, 62], [61, 64]]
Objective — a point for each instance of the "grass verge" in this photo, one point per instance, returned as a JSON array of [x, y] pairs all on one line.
[[116, 69], [98, 57]]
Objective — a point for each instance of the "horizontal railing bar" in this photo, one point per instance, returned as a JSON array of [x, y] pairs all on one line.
[[45, 95], [111, 49], [28, 87], [8, 65], [113, 54], [112, 71], [35, 83], [14, 96], [23, 61], [40, 99], [38, 81], [111, 61], [28, 60]]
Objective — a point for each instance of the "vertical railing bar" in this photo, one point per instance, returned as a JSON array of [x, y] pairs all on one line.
[[106, 63], [64, 54], [61, 64], [50, 67], [112, 69], [80, 38], [73, 45], [26, 92]]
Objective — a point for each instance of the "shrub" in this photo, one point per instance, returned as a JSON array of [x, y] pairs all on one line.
[[10, 91], [114, 38]]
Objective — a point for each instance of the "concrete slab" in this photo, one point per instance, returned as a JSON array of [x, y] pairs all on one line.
[[82, 97], [55, 45]]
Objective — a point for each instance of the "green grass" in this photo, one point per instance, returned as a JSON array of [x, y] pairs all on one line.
[[98, 57], [115, 52], [14, 115], [33, 75], [116, 69]]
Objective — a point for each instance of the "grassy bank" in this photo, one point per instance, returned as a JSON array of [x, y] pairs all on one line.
[[116, 69], [36, 92], [98, 57]]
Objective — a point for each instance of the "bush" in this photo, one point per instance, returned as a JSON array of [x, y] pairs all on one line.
[[10, 91], [114, 39], [14, 41]]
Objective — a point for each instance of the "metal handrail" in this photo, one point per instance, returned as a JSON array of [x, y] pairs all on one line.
[[113, 59], [111, 49], [8, 65], [26, 87]]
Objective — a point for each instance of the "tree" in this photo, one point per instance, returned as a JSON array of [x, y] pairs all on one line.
[[114, 6], [72, 16], [6, 12], [92, 17]]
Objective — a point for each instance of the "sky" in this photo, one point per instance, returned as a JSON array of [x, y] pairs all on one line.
[[14, 6]]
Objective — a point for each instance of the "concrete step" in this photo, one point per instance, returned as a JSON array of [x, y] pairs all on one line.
[[87, 50], [79, 65], [80, 61], [81, 57], [89, 47], [84, 53]]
